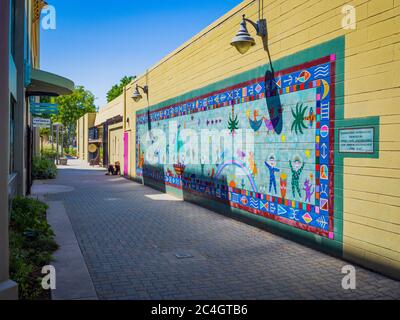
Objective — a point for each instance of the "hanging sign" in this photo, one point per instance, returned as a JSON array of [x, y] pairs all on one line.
[[43, 108]]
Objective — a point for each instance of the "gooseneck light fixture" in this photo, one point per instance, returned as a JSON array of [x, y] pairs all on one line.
[[243, 41], [136, 96]]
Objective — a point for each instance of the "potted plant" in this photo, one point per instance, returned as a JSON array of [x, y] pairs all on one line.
[[63, 161]]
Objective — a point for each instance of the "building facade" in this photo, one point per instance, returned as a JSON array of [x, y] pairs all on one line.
[[21, 81], [104, 133], [84, 124], [301, 130]]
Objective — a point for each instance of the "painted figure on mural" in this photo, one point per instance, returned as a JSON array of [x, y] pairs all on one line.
[[308, 188], [271, 165], [283, 185], [297, 169], [141, 158], [252, 164]]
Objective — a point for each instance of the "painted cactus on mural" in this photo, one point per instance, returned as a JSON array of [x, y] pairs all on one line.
[[283, 176]]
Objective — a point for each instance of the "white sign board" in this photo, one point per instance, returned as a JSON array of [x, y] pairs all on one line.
[[356, 140], [41, 123]]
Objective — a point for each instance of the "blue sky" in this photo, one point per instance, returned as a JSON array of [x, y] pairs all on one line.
[[97, 42]]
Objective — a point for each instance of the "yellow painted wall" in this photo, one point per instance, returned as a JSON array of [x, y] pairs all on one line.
[[83, 124], [130, 126], [79, 138], [372, 88], [110, 110]]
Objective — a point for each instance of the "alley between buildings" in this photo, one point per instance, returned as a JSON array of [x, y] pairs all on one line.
[[138, 243]]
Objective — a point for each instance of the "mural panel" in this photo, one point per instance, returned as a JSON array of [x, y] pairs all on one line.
[[223, 146]]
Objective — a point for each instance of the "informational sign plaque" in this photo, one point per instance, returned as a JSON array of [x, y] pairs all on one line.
[[41, 123], [356, 140]]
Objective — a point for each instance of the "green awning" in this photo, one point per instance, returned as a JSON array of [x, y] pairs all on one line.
[[44, 83]]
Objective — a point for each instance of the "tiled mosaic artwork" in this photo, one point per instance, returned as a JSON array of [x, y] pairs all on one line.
[[285, 176]]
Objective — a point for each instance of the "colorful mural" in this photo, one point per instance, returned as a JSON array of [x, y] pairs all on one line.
[[287, 177]]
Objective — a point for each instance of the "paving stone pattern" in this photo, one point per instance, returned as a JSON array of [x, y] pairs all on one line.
[[130, 236]]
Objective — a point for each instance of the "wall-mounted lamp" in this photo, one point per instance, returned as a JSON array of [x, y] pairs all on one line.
[[136, 96], [243, 41]]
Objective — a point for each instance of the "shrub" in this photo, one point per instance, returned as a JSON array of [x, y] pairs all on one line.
[[28, 214], [49, 154], [70, 151], [31, 246], [43, 168]]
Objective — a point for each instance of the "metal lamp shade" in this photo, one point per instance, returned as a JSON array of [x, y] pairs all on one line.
[[136, 96], [243, 41]]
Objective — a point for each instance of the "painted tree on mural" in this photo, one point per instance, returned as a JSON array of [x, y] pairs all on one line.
[[299, 115], [233, 123]]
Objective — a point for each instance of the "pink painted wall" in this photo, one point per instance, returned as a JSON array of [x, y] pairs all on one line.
[[126, 152]]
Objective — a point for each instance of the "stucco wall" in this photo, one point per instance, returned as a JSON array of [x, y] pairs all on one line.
[[366, 191], [82, 130], [110, 110]]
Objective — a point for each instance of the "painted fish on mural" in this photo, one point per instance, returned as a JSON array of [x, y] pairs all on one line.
[[244, 200], [303, 76], [311, 118]]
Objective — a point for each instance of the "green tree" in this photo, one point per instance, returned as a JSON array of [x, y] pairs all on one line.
[[117, 89], [71, 108]]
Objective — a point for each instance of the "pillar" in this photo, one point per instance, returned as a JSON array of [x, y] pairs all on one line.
[[8, 288]]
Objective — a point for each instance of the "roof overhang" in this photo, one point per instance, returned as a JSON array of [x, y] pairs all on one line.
[[109, 122], [44, 83]]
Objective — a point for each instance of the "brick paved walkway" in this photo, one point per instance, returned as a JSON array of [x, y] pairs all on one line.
[[129, 235]]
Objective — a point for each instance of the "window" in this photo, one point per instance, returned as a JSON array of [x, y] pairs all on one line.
[[12, 136], [93, 133]]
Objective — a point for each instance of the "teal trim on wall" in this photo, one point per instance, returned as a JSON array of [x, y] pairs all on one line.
[[12, 77]]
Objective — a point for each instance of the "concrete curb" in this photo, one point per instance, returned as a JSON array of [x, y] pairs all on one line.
[[73, 281]]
